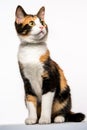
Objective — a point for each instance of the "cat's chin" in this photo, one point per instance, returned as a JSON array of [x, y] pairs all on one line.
[[31, 39]]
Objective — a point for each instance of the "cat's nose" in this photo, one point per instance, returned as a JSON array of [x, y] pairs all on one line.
[[41, 27]]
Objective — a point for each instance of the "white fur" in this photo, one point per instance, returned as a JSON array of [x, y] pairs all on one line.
[[29, 57], [59, 119], [32, 117], [46, 107], [31, 53]]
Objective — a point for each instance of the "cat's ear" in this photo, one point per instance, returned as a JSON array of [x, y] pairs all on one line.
[[20, 14], [41, 13]]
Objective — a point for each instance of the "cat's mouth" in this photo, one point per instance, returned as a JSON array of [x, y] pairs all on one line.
[[41, 32]]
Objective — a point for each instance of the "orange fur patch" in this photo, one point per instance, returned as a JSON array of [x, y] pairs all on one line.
[[31, 98], [45, 74], [27, 19], [58, 106], [45, 56], [63, 81]]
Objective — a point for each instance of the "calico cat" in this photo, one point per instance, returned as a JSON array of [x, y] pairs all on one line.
[[47, 94]]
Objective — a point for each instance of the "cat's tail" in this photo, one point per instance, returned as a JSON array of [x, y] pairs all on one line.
[[75, 117]]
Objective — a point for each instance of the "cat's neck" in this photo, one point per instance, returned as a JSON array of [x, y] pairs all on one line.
[[33, 44], [32, 40], [30, 53]]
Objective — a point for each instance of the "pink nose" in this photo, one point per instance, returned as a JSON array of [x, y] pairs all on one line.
[[41, 27]]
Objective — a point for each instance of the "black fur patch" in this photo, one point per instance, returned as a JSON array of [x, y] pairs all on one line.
[[62, 96], [51, 83], [22, 30]]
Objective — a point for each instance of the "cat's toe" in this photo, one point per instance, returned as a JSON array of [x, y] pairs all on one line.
[[30, 121], [44, 120], [59, 119]]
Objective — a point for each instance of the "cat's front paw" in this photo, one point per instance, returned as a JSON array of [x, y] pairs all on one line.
[[44, 120], [30, 121]]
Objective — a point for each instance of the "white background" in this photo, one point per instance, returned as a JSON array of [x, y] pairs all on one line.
[[67, 41]]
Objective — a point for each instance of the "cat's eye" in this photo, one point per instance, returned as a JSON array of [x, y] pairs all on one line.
[[43, 23], [31, 23]]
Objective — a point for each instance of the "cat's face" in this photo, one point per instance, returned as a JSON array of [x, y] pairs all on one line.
[[31, 28]]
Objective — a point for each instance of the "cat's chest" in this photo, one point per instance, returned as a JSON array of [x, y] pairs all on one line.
[[31, 54], [32, 67]]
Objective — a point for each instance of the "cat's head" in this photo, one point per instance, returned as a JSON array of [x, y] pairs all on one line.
[[31, 28]]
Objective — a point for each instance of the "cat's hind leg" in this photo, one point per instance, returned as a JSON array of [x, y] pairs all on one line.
[[59, 119]]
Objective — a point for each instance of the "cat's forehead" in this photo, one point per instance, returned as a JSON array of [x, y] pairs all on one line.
[[29, 18]]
